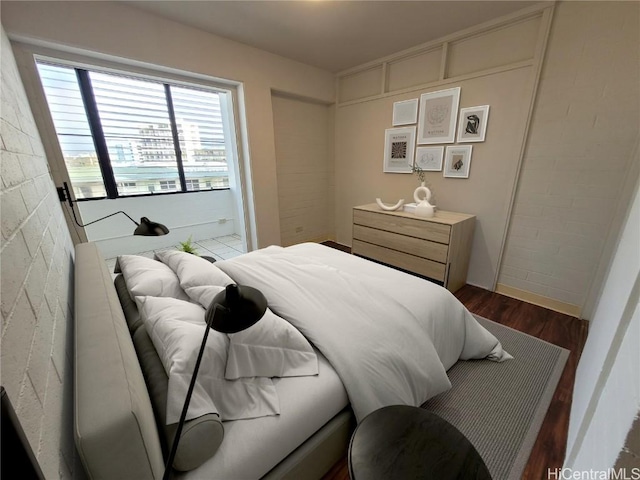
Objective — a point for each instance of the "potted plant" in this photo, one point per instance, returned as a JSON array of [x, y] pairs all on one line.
[[416, 169], [187, 246]]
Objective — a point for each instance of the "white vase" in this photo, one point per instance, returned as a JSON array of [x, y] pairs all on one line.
[[422, 189], [423, 207]]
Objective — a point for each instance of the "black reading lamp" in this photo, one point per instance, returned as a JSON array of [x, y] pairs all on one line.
[[146, 227], [234, 309]]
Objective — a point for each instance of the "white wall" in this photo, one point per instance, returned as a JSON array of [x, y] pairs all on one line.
[[200, 215], [606, 394], [36, 267], [585, 126]]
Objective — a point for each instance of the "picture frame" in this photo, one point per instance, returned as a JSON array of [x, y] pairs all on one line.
[[472, 126], [399, 148], [429, 159], [457, 161], [438, 116], [405, 112]]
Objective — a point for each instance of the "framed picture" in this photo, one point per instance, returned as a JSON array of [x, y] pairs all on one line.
[[438, 116], [457, 160], [472, 126], [429, 159], [399, 146], [405, 112]]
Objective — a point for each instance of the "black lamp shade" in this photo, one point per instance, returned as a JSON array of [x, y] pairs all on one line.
[[236, 308], [149, 228]]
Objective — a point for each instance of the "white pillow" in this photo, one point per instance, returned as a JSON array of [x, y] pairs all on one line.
[[176, 329], [145, 276], [192, 270], [270, 348]]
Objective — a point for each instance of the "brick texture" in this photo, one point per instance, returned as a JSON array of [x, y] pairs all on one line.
[[581, 140], [36, 265]]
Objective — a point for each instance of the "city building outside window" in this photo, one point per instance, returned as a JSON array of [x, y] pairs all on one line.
[[122, 135]]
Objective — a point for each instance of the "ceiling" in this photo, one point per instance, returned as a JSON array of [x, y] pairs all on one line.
[[332, 35]]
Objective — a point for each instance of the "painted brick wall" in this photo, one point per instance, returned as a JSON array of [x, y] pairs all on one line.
[[583, 133], [36, 268]]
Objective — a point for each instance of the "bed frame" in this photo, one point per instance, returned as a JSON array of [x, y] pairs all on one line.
[[115, 428]]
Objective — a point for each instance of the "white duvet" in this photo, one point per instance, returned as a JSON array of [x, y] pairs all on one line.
[[389, 335]]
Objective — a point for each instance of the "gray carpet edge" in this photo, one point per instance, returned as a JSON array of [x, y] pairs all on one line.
[[520, 462], [515, 406], [526, 447]]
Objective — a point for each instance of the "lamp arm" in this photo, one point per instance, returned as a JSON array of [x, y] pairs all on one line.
[[187, 400], [99, 219], [65, 194]]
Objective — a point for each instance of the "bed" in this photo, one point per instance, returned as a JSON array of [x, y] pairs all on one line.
[[332, 362]]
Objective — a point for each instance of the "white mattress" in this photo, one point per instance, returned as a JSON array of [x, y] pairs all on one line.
[[253, 447]]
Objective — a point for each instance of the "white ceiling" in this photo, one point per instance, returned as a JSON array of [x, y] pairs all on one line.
[[332, 35]]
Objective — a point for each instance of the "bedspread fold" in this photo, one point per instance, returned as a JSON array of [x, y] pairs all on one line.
[[389, 335]]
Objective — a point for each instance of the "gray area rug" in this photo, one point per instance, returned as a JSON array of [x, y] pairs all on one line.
[[500, 407]]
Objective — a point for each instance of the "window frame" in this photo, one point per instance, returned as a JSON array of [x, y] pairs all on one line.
[[84, 83]]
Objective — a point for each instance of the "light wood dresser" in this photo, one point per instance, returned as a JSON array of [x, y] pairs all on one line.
[[437, 247]]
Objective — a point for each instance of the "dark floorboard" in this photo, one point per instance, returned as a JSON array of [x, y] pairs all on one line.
[[562, 330]]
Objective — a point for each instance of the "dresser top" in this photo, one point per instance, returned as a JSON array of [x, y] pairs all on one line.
[[441, 216]]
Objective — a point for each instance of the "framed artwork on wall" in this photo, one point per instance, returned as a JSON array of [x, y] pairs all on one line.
[[472, 126], [405, 112], [457, 161], [399, 146], [438, 116], [429, 159]]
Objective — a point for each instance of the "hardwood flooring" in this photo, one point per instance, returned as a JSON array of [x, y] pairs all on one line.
[[553, 327]]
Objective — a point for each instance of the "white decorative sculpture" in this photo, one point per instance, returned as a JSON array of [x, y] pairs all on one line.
[[423, 207], [390, 208]]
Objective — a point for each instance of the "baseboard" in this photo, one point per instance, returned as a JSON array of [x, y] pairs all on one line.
[[540, 300]]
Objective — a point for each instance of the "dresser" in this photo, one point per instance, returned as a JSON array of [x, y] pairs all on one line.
[[436, 247]]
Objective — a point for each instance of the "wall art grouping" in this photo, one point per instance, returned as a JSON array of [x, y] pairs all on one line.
[[437, 116]]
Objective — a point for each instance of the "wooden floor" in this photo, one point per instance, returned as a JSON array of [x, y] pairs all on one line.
[[556, 328]]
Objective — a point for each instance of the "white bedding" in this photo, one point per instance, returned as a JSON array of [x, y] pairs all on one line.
[[390, 336], [253, 447]]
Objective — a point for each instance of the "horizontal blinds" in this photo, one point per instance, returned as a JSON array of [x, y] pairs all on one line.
[[201, 133], [135, 120], [62, 91], [134, 116]]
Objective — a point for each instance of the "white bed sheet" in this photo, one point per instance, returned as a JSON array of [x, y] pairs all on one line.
[[253, 447]]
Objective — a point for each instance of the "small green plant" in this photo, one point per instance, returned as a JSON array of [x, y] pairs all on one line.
[[187, 246], [419, 171]]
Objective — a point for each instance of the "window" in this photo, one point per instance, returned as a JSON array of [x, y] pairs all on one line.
[[122, 135], [127, 187], [193, 185], [168, 185]]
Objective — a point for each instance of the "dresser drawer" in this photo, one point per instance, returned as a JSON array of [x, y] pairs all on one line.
[[435, 232], [412, 245], [419, 265]]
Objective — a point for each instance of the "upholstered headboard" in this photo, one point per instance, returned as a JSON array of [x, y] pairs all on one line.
[[116, 438]]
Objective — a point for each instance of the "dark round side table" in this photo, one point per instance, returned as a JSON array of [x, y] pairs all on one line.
[[402, 442]]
